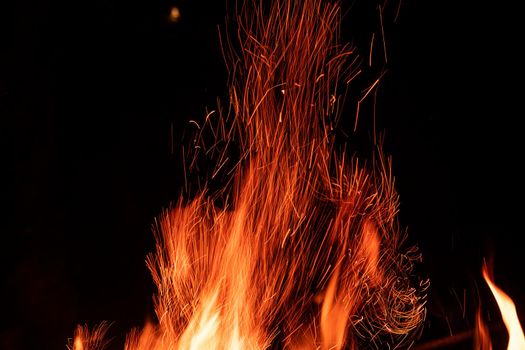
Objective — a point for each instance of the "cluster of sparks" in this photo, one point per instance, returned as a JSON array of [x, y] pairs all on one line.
[[301, 248]]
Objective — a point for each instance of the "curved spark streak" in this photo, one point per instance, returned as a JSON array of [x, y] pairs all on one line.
[[301, 248]]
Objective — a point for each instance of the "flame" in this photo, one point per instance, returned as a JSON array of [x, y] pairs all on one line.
[[300, 249], [85, 339], [482, 339], [508, 313]]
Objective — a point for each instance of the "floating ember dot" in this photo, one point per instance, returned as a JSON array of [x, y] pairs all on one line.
[[174, 14]]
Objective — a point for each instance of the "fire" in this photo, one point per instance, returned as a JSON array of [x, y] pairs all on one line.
[[509, 315], [89, 340], [174, 14], [482, 339], [300, 249]]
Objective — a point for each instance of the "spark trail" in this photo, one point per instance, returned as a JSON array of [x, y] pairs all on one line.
[[301, 248]]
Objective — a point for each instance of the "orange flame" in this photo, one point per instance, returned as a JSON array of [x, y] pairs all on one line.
[[301, 249], [85, 339], [482, 339], [508, 313]]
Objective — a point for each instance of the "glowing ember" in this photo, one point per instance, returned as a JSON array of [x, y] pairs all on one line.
[[301, 249], [509, 315], [174, 14]]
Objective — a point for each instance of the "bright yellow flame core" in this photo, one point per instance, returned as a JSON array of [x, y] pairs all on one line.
[[78, 345], [508, 313]]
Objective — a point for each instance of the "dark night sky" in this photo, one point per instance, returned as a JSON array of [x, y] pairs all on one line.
[[89, 94]]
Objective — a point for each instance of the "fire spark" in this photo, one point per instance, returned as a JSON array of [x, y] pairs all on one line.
[[301, 248]]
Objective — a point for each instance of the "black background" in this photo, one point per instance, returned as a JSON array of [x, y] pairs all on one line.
[[93, 93]]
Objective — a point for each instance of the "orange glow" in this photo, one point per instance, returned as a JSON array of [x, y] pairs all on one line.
[[301, 249], [174, 14], [482, 340], [89, 340], [78, 344], [508, 313]]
